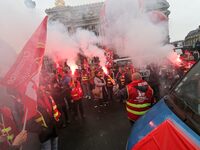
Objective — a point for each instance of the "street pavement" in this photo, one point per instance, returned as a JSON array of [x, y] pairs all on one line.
[[104, 128]]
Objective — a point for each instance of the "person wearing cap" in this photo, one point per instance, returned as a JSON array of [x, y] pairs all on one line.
[[139, 97]]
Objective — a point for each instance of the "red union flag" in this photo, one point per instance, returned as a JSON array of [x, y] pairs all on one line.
[[23, 76], [166, 136]]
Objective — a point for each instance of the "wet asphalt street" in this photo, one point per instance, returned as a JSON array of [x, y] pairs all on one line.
[[104, 128]]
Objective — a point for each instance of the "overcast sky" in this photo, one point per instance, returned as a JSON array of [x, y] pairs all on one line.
[[184, 17]]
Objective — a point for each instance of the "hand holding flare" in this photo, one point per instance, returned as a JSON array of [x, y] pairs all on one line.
[[112, 80], [106, 72]]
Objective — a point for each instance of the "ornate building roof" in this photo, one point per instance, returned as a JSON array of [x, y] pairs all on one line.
[[193, 33], [192, 38], [88, 16], [73, 17]]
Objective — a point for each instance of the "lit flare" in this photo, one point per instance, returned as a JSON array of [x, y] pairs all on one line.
[[106, 72]]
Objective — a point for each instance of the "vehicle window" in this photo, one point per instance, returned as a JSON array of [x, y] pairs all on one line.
[[188, 90]]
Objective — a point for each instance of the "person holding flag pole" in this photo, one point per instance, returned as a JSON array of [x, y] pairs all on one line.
[[9, 138], [24, 125]]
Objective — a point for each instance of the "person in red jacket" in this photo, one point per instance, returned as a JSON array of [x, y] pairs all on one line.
[[76, 97], [139, 97]]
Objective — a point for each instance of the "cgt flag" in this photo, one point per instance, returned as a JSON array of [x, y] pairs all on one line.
[[23, 76]]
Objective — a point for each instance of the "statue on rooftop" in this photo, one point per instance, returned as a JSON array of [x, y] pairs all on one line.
[[59, 3]]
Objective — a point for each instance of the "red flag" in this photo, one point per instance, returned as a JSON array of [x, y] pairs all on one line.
[[45, 103], [166, 136], [56, 112], [24, 74]]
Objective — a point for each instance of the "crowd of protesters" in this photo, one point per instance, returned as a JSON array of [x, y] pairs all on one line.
[[62, 90], [90, 81]]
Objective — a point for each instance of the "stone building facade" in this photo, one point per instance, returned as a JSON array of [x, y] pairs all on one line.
[[87, 16], [73, 17], [193, 38]]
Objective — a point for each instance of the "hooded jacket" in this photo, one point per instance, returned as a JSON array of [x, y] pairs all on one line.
[[140, 96]]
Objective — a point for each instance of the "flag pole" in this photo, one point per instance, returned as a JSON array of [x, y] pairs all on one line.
[[3, 123], [25, 120], [24, 125], [2, 119]]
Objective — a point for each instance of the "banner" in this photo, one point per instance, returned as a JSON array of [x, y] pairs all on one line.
[[23, 76]]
